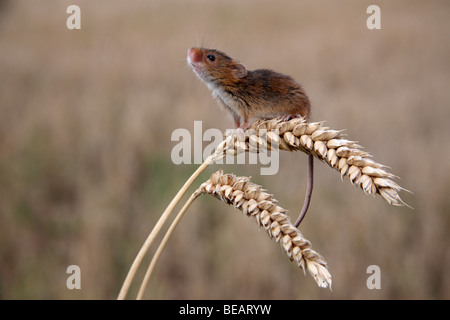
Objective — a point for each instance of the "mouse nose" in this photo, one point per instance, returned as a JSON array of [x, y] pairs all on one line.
[[195, 55]]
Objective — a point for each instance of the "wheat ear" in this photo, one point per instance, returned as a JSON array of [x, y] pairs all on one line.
[[325, 144], [254, 201]]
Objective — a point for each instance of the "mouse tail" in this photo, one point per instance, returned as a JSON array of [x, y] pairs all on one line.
[[309, 190]]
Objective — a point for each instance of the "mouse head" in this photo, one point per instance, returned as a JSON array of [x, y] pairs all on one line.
[[213, 66]]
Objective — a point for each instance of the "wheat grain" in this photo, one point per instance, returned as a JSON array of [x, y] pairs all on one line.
[[254, 201]]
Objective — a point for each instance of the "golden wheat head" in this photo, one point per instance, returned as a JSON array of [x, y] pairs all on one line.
[[325, 144], [254, 201]]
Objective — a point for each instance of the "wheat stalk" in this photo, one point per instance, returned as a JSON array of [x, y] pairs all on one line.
[[163, 244], [325, 144], [254, 201], [157, 228]]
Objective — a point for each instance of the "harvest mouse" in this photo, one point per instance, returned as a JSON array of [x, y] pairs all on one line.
[[251, 95]]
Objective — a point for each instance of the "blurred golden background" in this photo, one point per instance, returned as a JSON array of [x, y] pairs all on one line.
[[86, 118]]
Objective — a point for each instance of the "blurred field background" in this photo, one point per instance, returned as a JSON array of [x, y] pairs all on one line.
[[86, 118]]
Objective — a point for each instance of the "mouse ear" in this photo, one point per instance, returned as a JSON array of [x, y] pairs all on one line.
[[240, 70]]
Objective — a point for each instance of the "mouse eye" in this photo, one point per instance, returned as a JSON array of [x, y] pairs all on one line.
[[211, 57]]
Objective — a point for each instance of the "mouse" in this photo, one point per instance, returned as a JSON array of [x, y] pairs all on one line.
[[249, 95]]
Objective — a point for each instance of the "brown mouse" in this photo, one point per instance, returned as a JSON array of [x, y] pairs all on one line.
[[248, 95], [251, 95]]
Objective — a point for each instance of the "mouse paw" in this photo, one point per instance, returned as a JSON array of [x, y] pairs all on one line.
[[244, 126]]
